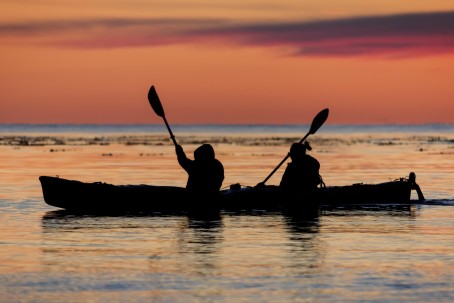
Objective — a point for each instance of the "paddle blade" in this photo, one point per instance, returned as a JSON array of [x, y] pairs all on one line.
[[155, 102], [319, 120]]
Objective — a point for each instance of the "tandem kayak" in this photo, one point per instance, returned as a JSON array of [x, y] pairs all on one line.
[[100, 197]]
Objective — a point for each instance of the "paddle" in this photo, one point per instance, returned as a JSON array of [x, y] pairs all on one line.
[[316, 124], [157, 107]]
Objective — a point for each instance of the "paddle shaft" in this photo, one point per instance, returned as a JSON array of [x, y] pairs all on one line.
[[170, 131], [283, 160]]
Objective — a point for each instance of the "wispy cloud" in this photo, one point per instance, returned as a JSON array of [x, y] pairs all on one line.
[[407, 34]]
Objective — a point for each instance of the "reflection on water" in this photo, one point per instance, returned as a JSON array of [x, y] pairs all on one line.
[[306, 250], [393, 210], [92, 242], [233, 257], [200, 242], [185, 245], [335, 256], [297, 224]]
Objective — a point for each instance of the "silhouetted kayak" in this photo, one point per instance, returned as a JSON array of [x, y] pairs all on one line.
[[102, 197]]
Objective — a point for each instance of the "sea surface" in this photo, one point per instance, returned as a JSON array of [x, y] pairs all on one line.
[[384, 253]]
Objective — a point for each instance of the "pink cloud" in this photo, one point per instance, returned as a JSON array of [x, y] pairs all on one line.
[[404, 35]]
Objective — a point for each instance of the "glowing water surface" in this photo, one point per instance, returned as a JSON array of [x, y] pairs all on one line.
[[364, 254]]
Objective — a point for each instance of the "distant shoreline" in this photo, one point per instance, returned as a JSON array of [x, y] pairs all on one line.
[[223, 128]]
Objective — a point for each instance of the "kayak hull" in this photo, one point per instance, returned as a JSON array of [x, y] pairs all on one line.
[[101, 197]]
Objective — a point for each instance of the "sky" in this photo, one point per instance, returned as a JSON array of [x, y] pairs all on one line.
[[227, 62]]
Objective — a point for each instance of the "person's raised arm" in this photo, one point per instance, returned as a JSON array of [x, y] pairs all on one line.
[[182, 159]]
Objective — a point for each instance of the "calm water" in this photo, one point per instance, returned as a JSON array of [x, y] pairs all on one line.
[[374, 254]]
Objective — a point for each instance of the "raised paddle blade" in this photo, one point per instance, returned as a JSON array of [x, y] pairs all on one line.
[[319, 120], [159, 110], [155, 102]]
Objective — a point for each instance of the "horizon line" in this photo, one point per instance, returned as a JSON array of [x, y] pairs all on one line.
[[227, 124]]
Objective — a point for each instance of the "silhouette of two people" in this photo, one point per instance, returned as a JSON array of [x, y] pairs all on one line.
[[205, 172], [303, 172]]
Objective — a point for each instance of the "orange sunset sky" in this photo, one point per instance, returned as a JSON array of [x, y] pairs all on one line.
[[248, 61]]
